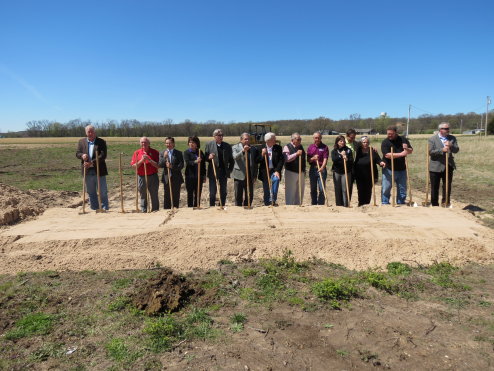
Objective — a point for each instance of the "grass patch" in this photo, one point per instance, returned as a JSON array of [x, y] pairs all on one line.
[[398, 269], [335, 291], [380, 281], [117, 350], [120, 303], [441, 275], [31, 324], [237, 321], [122, 283], [168, 330], [46, 351]]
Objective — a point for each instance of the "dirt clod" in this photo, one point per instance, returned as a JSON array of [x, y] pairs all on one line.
[[168, 292]]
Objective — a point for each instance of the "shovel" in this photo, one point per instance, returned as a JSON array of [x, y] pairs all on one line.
[[198, 193], [410, 202], [426, 203], [100, 210], [217, 185], [247, 180]]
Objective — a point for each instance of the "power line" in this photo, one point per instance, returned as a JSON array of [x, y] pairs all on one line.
[[423, 110]]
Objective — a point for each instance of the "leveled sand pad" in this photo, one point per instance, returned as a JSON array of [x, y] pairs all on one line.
[[62, 239]]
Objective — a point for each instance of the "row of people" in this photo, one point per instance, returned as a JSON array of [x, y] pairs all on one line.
[[351, 162]]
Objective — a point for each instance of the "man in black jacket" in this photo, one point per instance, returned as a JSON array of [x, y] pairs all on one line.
[[219, 153], [171, 160], [275, 162]]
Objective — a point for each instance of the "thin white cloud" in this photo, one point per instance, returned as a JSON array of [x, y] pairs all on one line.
[[28, 87]]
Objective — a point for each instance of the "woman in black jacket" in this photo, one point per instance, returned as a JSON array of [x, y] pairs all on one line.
[[339, 153], [362, 170], [194, 157]]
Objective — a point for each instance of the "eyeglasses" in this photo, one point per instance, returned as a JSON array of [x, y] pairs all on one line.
[[297, 139], [444, 128], [219, 135]]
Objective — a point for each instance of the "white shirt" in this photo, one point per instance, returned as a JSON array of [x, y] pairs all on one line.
[[270, 156], [90, 149]]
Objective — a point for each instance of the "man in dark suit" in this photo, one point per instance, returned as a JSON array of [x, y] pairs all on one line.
[[240, 152], [171, 160], [220, 153], [275, 158], [86, 152], [441, 145]]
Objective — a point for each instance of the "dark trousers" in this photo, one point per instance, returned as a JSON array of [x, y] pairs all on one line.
[[223, 180], [153, 184], [340, 194], [175, 193], [436, 178], [240, 188], [316, 185], [351, 180], [364, 189], [191, 186]]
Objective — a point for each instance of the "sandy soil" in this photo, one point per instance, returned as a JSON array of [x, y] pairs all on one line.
[[184, 239]]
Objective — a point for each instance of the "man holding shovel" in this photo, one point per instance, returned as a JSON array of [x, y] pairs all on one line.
[[245, 170], [172, 161], [401, 149], [270, 171], [146, 160], [86, 152], [317, 156], [294, 155], [219, 155], [441, 145]]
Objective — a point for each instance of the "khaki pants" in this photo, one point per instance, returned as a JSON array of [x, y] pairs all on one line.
[[291, 187]]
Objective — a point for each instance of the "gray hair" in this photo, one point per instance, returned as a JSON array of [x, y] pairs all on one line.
[[244, 134], [365, 137], [295, 135], [216, 132], [269, 136], [442, 124], [87, 128], [146, 139], [318, 133]]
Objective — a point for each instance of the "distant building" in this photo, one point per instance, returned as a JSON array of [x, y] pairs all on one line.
[[366, 131], [329, 132], [474, 131]]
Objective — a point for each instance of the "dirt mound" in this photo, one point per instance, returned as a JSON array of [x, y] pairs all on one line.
[[17, 205], [168, 292]]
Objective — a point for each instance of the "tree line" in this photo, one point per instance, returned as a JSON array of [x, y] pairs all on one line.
[[134, 128]]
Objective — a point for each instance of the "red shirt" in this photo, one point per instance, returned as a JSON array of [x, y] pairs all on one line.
[[150, 169]]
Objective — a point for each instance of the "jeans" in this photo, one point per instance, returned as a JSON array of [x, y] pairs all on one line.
[[401, 184], [92, 191], [271, 197], [315, 185]]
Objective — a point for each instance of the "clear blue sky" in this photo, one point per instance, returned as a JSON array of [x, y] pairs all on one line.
[[241, 60]]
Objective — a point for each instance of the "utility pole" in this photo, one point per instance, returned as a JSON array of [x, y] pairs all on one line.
[[461, 126], [487, 113], [408, 121]]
